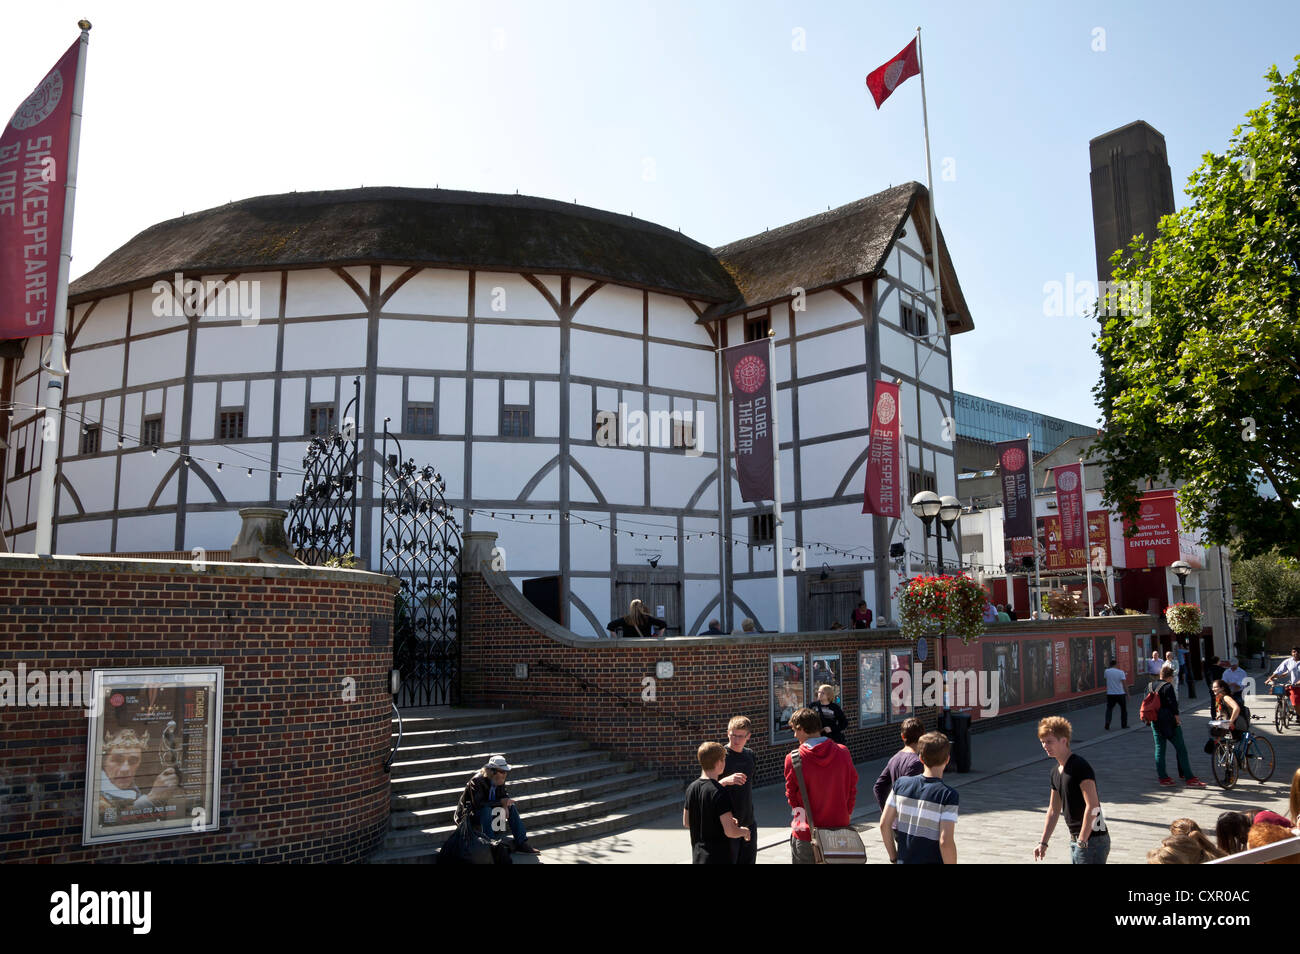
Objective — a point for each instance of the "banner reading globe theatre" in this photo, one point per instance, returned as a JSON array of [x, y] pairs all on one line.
[[33, 160], [1017, 502], [751, 409]]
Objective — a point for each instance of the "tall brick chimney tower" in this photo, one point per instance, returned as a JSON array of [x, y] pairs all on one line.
[[1131, 188]]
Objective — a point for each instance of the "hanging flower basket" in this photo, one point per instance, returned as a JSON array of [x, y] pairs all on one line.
[[1063, 604], [1184, 618], [941, 604]]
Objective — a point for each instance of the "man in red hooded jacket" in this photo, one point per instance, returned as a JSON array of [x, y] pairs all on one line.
[[830, 778]]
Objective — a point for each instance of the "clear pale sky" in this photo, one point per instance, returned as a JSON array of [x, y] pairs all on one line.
[[702, 116]]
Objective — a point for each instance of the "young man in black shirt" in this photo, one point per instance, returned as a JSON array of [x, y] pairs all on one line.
[[738, 777], [707, 812], [1074, 791]]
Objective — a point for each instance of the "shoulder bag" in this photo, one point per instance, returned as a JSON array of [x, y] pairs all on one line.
[[831, 846]]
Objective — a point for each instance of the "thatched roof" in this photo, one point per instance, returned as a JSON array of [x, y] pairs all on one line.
[[413, 227], [440, 227], [850, 242]]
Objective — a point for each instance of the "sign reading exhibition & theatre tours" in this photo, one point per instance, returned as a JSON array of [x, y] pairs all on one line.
[[153, 757]]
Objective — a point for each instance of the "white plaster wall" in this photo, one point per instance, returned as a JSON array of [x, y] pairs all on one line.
[[828, 407], [421, 344], [822, 467], [309, 345], [92, 536], [319, 291], [613, 307], [595, 594], [684, 369], [671, 317], [898, 351], [674, 477], [215, 530], [434, 291], [293, 406], [503, 295], [487, 413], [234, 349], [107, 323], [151, 532], [451, 409], [172, 413], [589, 546], [146, 305], [516, 348], [502, 468], [604, 357], [261, 398], [616, 471], [833, 351], [141, 472], [826, 309], [159, 358], [203, 420], [581, 420], [546, 412], [92, 478], [233, 479]]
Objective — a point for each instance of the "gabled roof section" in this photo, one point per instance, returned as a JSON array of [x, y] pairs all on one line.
[[838, 246], [434, 227]]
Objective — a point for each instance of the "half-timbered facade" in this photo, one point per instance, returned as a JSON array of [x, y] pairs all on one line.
[[556, 364]]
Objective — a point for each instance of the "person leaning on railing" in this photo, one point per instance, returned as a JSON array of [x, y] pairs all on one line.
[[637, 622]]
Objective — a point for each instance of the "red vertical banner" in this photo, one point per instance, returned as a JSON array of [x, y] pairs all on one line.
[[1124, 657], [751, 408], [1069, 507], [33, 176], [1017, 499], [880, 496], [1061, 669]]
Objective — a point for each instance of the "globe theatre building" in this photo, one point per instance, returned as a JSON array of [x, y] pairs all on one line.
[[504, 339]]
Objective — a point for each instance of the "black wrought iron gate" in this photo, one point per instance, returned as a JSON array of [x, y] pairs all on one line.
[[421, 547], [322, 518]]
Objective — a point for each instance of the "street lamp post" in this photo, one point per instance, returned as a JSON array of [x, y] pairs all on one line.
[[1182, 570], [927, 505]]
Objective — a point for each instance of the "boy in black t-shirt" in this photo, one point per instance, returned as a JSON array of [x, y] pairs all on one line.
[[1074, 791], [707, 812], [738, 778]]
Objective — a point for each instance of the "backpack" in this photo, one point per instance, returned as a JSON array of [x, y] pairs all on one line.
[[1150, 705]]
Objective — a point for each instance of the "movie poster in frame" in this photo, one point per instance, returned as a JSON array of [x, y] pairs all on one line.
[[789, 691], [871, 687], [826, 670], [153, 755]]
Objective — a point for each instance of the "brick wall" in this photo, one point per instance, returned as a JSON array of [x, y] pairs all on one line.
[[301, 768]]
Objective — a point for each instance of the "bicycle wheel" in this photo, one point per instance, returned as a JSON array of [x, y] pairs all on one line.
[[1224, 765], [1279, 715], [1259, 758]]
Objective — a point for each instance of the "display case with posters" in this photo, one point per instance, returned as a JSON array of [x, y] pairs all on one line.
[[1003, 658], [789, 691], [826, 670], [871, 687], [1040, 681], [1083, 664], [153, 756], [900, 683]]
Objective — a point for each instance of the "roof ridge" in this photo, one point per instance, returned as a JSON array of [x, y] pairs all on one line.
[[817, 220]]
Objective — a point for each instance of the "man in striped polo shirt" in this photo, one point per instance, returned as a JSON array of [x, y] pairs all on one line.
[[919, 823]]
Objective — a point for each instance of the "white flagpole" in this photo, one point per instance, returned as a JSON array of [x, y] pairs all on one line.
[[1037, 600], [56, 368], [779, 552], [1087, 535], [929, 184]]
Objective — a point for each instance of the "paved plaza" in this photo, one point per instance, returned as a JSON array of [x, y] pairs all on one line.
[[1003, 800]]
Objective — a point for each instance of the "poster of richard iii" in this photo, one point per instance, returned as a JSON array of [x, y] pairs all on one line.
[[153, 758]]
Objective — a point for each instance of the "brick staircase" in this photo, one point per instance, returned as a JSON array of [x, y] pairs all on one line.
[[564, 789]]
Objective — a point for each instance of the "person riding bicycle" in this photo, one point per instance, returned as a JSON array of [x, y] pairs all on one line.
[[1228, 709], [1290, 671]]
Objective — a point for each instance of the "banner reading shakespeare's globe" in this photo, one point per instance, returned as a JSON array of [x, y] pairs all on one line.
[[880, 496]]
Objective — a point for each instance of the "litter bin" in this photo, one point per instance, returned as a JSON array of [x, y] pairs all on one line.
[[960, 738]]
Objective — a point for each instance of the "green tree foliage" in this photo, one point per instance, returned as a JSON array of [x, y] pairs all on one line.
[[1204, 387], [1267, 585]]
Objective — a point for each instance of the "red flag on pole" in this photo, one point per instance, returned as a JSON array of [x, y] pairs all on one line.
[[885, 79], [33, 171], [880, 496], [1069, 505]]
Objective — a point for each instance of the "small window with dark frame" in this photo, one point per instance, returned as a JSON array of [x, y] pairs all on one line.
[[917, 482], [20, 460], [914, 321], [683, 433], [230, 426], [320, 419], [151, 432], [757, 328], [90, 438], [516, 420], [420, 419], [762, 529]]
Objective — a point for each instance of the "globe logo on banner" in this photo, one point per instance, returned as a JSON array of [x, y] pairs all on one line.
[[885, 408], [750, 374], [40, 104], [1013, 460], [1067, 481], [892, 73]]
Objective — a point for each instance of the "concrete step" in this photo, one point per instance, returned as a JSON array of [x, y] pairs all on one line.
[[437, 797], [414, 749], [483, 730], [557, 817], [406, 767], [542, 838], [449, 718], [409, 784], [550, 796]]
